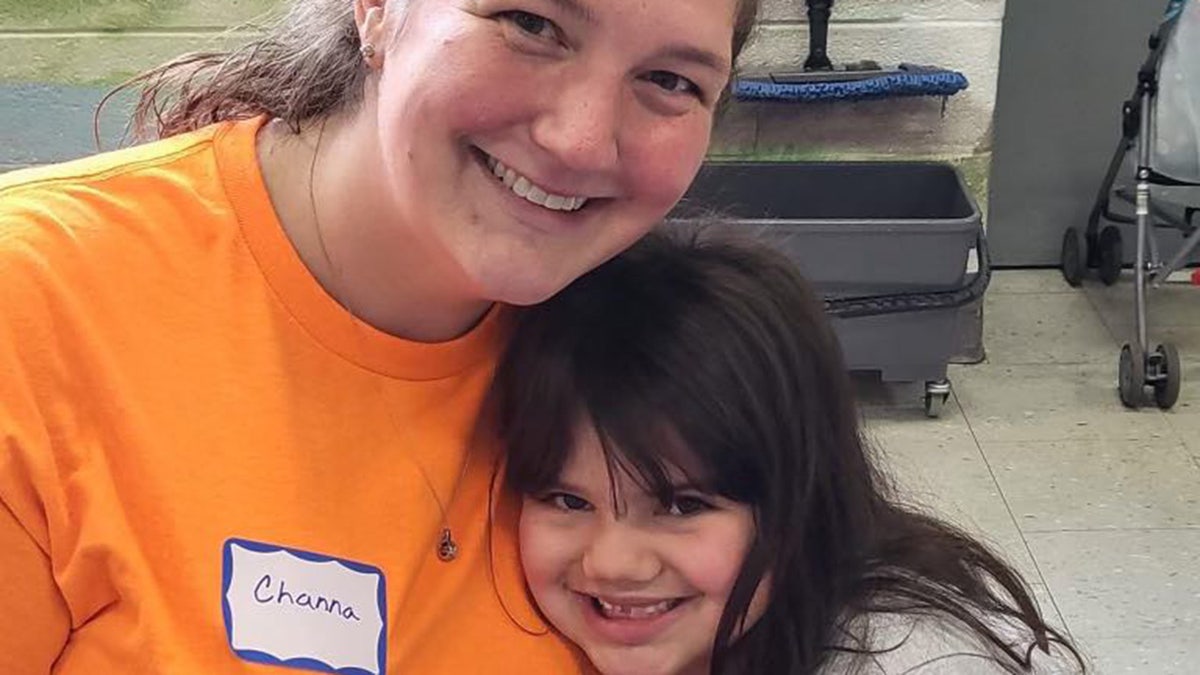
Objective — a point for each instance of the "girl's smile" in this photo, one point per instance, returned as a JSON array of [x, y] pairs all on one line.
[[631, 621]]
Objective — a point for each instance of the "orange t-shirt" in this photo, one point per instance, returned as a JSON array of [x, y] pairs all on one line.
[[208, 466]]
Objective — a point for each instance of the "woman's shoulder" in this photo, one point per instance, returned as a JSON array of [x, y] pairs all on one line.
[[101, 208], [930, 644], [120, 187], [87, 238], [103, 167]]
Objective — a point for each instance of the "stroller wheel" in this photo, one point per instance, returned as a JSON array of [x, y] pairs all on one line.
[[1166, 388], [1071, 257], [1110, 254], [1131, 376]]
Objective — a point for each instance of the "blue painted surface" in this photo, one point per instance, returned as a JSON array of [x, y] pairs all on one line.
[[44, 123]]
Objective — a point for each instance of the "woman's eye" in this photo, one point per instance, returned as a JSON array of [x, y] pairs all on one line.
[[687, 506], [537, 26], [567, 501], [671, 82]]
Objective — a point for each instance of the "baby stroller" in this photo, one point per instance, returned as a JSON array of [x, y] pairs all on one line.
[[1162, 120]]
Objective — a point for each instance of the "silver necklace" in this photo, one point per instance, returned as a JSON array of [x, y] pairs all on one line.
[[447, 548]]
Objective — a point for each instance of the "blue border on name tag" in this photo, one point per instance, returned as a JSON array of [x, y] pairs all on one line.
[[255, 656]]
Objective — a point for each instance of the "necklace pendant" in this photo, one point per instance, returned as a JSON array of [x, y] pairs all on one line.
[[447, 550]]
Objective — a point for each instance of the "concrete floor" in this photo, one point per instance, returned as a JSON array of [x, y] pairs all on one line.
[[1098, 505]]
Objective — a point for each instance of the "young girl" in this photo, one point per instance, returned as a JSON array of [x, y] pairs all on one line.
[[698, 498]]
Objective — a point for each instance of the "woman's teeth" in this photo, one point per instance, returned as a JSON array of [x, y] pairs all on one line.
[[523, 187], [615, 611]]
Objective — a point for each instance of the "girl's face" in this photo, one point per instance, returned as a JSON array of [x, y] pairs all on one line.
[[523, 142], [638, 586]]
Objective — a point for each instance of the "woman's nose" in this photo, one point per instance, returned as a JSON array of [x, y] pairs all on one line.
[[619, 555], [580, 125]]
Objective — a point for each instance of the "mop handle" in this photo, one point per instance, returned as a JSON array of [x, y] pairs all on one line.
[[818, 35]]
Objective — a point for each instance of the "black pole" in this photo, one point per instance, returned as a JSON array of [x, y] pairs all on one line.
[[818, 34]]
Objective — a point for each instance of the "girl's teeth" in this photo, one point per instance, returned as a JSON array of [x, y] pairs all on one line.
[[524, 188], [641, 612]]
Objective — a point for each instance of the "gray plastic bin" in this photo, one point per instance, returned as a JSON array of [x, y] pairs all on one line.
[[858, 229], [854, 228]]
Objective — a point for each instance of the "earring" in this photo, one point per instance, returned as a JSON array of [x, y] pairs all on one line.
[[367, 51]]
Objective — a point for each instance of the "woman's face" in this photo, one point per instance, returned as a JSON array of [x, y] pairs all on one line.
[[638, 586], [523, 142]]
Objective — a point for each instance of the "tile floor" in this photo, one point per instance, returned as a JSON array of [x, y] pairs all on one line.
[[1099, 506]]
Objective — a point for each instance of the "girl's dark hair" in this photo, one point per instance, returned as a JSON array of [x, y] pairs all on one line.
[[306, 66], [716, 358]]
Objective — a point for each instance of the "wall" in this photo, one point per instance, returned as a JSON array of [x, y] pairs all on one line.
[[58, 57], [962, 35]]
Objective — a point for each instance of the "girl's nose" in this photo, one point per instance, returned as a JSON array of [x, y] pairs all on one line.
[[619, 555]]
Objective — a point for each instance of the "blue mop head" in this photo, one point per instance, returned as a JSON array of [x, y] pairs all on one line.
[[910, 81]]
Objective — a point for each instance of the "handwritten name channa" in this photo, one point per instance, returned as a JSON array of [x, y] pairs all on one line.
[[266, 592]]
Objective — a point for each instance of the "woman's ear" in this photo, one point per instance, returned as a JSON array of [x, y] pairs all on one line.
[[368, 16]]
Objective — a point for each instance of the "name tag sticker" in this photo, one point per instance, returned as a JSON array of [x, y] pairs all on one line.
[[296, 609]]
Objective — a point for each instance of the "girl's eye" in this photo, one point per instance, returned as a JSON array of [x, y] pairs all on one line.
[[537, 26], [671, 82], [688, 506], [567, 501]]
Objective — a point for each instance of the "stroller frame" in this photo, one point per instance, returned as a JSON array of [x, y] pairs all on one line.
[[1139, 366]]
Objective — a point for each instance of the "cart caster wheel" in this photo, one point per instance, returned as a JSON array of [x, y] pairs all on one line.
[[934, 403], [1071, 257], [936, 395], [1131, 376], [1166, 387], [1110, 254]]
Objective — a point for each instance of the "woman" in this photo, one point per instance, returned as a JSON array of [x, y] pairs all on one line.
[[241, 364]]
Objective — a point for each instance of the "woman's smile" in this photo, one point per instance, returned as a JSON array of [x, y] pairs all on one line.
[[532, 191]]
